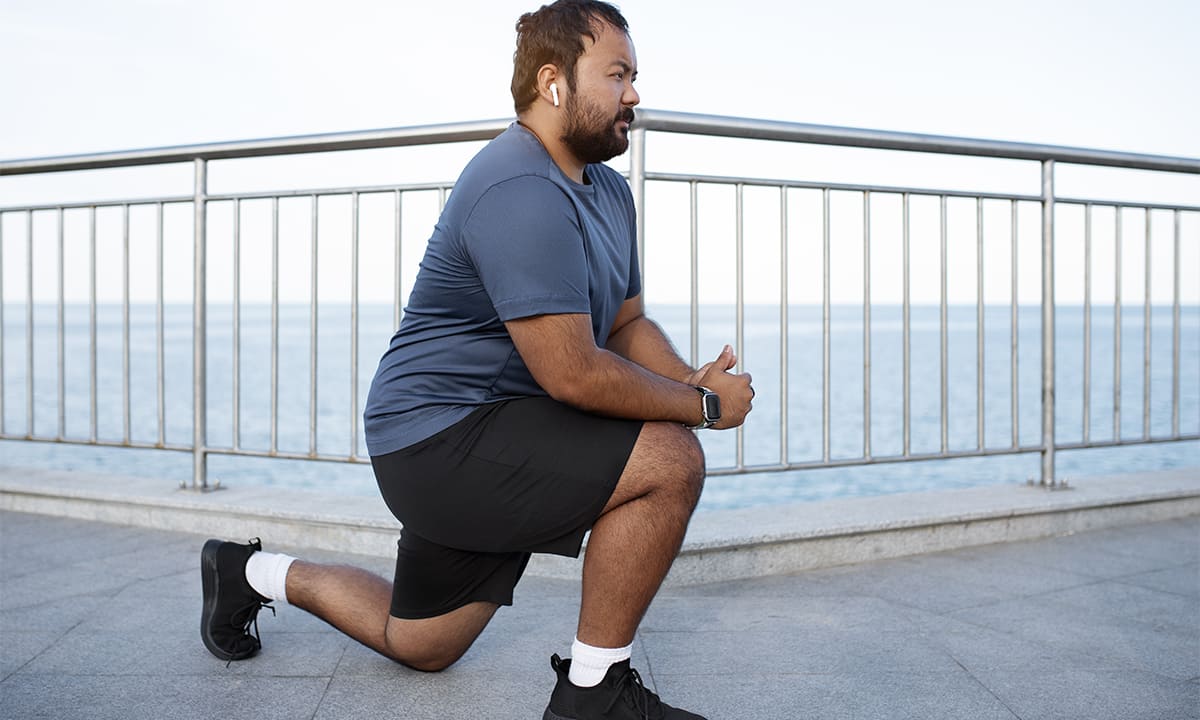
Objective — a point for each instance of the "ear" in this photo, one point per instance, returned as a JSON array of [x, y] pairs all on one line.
[[547, 76]]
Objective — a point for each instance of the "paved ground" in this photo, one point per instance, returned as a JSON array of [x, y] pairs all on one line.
[[101, 621]]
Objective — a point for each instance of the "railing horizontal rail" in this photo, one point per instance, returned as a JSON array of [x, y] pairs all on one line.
[[83, 205], [695, 124], [98, 442], [877, 460], [255, 195], [848, 187], [1110, 203], [654, 176], [654, 120], [329, 142]]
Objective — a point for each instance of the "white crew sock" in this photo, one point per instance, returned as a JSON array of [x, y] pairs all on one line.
[[267, 574], [589, 664]]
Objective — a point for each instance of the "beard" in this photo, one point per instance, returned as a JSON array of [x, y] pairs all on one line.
[[591, 134]]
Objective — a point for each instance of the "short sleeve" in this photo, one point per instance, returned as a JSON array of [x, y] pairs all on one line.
[[635, 272], [527, 246]]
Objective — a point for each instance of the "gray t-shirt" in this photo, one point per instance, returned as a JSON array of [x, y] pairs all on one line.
[[517, 238]]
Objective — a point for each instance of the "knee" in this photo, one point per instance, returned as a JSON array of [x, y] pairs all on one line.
[[429, 664], [686, 460], [430, 661]]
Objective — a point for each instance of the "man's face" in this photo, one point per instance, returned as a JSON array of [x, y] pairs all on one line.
[[600, 111]]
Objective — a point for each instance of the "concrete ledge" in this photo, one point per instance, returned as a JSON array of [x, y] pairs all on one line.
[[721, 545]]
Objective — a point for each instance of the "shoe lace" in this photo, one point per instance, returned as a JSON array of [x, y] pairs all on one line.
[[642, 700], [249, 617]]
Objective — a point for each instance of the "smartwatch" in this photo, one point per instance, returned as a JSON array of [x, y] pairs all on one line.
[[710, 405]]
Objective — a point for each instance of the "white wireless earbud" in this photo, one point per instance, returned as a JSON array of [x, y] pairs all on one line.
[[554, 93]]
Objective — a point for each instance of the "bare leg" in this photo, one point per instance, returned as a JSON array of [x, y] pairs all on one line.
[[358, 603], [636, 539]]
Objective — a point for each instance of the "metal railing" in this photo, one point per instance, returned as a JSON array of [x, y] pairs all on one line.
[[201, 203]]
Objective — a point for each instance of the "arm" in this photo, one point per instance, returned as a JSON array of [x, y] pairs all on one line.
[[640, 340], [562, 355]]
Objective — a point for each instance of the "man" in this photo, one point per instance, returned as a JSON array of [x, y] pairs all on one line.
[[525, 400]]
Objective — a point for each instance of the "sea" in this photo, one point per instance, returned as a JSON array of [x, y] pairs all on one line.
[[788, 379]]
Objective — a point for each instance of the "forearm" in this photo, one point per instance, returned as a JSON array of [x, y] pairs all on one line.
[[608, 383], [643, 342], [562, 356], [564, 360]]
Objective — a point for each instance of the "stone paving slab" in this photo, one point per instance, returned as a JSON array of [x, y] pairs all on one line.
[[101, 621]]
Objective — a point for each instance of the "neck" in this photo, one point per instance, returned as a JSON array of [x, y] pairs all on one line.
[[547, 129]]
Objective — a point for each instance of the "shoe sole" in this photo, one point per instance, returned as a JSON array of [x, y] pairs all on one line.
[[551, 715], [211, 584]]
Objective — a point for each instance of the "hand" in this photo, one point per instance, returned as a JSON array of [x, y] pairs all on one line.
[[735, 390], [725, 361]]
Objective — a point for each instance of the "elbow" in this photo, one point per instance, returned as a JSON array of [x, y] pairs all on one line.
[[571, 388], [568, 392]]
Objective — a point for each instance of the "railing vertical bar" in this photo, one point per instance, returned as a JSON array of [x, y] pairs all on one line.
[[740, 312], [61, 329], [1117, 327], [396, 304], [2, 323], [200, 326], [312, 329], [125, 377], [92, 374], [237, 323], [980, 352], [866, 325], [783, 326], [1087, 322], [637, 186], [1175, 334], [354, 324], [159, 338], [907, 330], [274, 325], [29, 324], [694, 248], [1048, 310], [825, 318], [1014, 358], [944, 329], [1146, 339]]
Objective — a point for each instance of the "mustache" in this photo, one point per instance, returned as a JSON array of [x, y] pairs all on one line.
[[626, 115]]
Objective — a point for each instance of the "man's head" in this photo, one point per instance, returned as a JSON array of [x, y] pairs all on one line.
[[554, 35], [579, 51]]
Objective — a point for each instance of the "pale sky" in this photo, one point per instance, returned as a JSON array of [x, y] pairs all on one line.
[[79, 76]]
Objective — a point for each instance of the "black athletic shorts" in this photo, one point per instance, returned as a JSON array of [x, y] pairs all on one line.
[[512, 478]]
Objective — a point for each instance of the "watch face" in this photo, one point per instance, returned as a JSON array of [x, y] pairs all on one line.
[[712, 406]]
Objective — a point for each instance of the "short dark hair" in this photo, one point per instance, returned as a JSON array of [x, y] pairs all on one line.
[[554, 35]]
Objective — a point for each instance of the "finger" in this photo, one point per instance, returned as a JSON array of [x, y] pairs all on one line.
[[726, 359]]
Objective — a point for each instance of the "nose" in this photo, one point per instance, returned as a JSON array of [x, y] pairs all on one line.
[[630, 96]]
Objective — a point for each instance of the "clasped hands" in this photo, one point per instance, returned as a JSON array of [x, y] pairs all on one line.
[[735, 389]]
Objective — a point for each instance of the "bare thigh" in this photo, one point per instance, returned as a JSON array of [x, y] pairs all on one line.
[[667, 456]]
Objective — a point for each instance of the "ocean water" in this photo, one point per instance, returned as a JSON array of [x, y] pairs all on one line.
[[762, 354]]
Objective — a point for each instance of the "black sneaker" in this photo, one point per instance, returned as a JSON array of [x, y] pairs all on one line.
[[230, 605], [619, 695]]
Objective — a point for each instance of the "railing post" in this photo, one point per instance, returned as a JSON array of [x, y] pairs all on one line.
[[1048, 479], [637, 183], [199, 327]]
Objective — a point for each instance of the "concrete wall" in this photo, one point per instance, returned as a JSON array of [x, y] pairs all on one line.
[[720, 545]]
